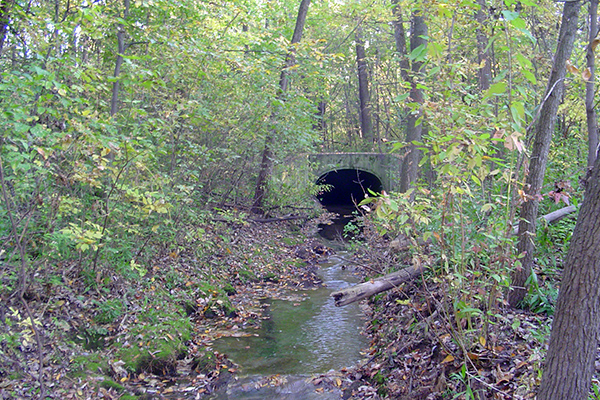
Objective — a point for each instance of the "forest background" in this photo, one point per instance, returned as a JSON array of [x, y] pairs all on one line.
[[131, 129]]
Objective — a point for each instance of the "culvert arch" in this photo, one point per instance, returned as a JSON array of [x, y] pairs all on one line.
[[347, 186]]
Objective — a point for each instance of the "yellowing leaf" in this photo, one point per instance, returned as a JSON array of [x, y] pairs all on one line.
[[41, 152], [338, 382], [449, 358], [482, 341]]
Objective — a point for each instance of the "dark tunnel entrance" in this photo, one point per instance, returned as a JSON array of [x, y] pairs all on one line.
[[348, 187]]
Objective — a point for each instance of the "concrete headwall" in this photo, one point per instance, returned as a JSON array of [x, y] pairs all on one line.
[[385, 166]]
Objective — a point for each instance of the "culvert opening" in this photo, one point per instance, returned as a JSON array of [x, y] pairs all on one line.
[[348, 187]]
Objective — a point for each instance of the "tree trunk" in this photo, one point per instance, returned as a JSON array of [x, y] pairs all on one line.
[[414, 126], [266, 165], [592, 122], [363, 290], [570, 361], [114, 102], [400, 38], [484, 74], [539, 153], [366, 124]]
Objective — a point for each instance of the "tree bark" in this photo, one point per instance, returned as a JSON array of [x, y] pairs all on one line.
[[592, 121], [366, 124], [570, 361], [400, 38], [364, 290], [484, 74], [114, 102], [539, 153], [266, 165], [414, 126]]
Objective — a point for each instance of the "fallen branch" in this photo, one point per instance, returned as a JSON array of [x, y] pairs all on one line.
[[278, 219], [363, 290], [552, 217], [261, 220]]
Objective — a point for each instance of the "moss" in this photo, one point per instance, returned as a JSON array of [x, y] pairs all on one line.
[[129, 397], [158, 341], [110, 384], [93, 363]]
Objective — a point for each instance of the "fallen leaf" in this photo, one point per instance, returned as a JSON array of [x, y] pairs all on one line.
[[449, 358]]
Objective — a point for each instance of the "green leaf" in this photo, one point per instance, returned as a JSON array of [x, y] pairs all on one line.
[[510, 15], [519, 24], [496, 89], [419, 54], [529, 76], [523, 61], [517, 110]]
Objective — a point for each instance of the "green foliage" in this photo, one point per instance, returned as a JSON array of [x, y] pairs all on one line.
[[462, 376], [595, 391], [108, 311]]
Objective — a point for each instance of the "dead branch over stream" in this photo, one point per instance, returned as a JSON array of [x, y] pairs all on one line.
[[364, 290]]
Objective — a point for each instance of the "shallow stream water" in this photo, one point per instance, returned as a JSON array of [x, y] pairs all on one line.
[[301, 336]]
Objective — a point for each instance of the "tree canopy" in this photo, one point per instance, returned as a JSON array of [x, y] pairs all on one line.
[[126, 122]]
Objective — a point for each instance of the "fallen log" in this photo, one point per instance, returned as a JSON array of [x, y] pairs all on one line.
[[552, 217], [363, 290]]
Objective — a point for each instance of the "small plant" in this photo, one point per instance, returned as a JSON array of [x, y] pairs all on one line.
[[462, 376], [540, 299], [108, 311], [595, 391]]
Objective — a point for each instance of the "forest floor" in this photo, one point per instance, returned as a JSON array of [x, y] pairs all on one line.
[[107, 335]]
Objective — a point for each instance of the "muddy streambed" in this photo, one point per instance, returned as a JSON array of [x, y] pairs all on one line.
[[303, 335]]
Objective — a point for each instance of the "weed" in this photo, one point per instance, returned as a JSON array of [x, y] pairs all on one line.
[[540, 299], [595, 390], [108, 311], [463, 378]]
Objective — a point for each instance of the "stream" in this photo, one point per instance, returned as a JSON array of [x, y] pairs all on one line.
[[300, 336]]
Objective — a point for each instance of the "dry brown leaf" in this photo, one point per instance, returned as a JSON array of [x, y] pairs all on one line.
[[571, 68]]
